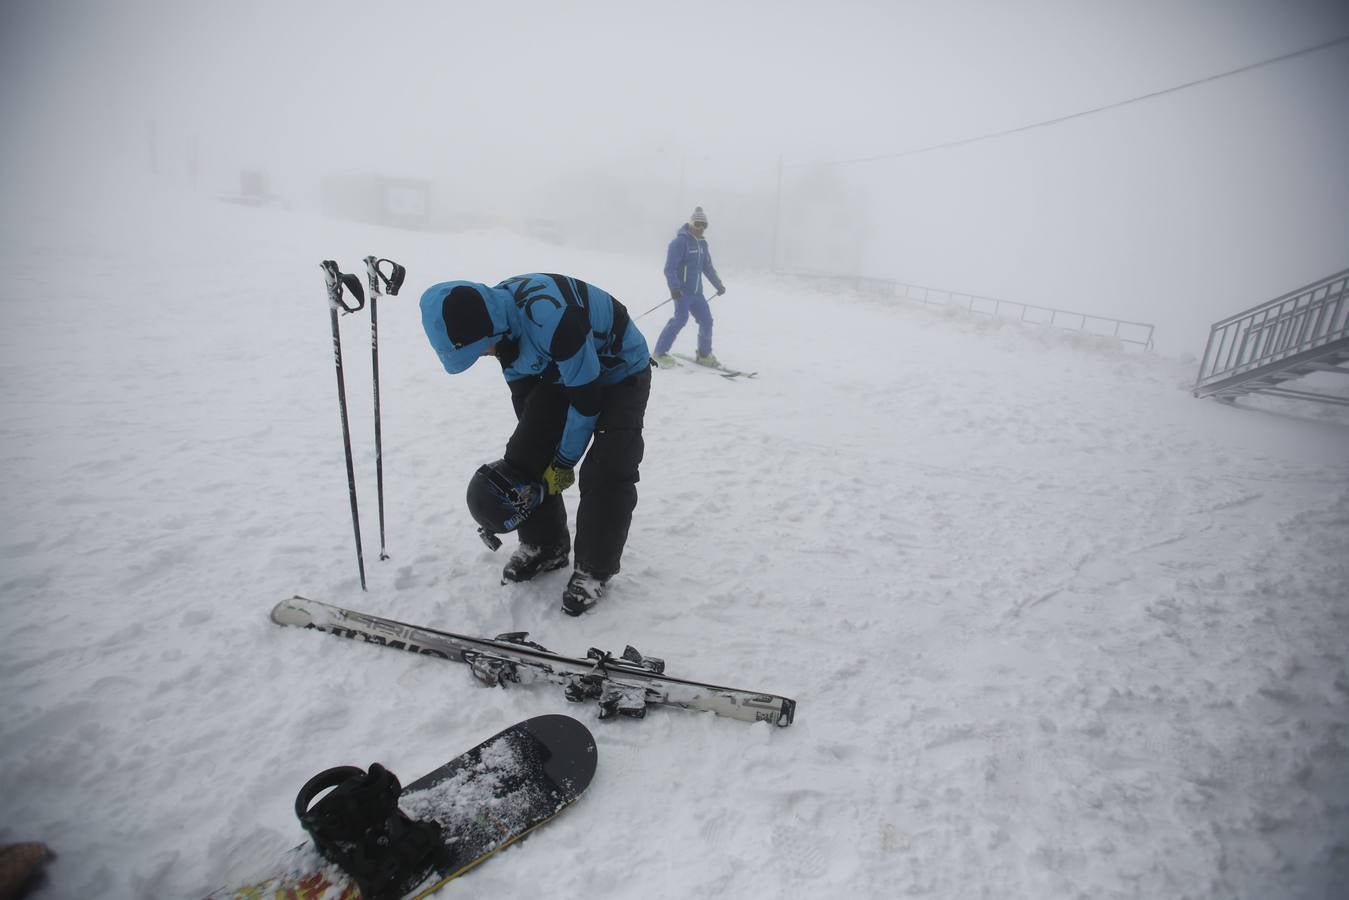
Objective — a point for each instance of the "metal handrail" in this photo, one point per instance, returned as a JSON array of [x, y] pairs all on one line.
[[1288, 328], [994, 307]]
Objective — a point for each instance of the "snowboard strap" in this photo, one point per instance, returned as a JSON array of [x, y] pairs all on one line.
[[359, 826]]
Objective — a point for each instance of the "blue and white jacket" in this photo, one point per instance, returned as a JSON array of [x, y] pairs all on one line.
[[686, 261], [561, 329]]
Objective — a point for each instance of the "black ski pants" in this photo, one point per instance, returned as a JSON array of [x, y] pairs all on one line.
[[608, 474]]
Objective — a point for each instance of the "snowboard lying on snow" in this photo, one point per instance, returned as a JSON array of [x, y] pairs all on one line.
[[483, 800]]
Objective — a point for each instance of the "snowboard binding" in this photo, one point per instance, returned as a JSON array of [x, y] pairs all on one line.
[[359, 826]]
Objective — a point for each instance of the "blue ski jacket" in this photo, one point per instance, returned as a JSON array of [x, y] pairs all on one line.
[[551, 326], [686, 261]]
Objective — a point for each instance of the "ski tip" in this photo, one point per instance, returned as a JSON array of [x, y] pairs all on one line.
[[292, 612], [787, 714]]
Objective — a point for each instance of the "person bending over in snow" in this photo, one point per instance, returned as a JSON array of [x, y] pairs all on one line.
[[579, 375], [686, 261]]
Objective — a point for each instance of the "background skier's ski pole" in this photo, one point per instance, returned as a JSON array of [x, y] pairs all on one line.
[[670, 299], [657, 306], [336, 281], [392, 282]]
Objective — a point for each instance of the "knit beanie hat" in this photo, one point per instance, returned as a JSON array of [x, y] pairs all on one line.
[[465, 316], [699, 217], [457, 317]]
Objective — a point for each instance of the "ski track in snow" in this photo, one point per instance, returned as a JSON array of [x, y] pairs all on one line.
[[1056, 628]]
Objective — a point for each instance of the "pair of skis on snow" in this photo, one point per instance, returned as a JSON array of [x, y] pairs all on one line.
[[622, 685], [337, 282]]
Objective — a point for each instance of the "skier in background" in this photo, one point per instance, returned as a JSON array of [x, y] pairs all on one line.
[[577, 369], [686, 261]]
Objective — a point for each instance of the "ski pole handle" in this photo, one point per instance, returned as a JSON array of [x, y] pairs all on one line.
[[374, 273], [336, 281]]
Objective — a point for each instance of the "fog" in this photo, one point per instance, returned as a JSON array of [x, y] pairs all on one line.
[[794, 124]]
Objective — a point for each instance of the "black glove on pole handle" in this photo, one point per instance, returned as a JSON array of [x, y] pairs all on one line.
[[337, 281], [392, 282]]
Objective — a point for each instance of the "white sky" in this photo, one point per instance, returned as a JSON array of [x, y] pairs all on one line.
[[594, 78], [505, 97]]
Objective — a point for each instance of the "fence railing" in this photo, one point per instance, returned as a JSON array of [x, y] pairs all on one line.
[[1299, 327], [1138, 334]]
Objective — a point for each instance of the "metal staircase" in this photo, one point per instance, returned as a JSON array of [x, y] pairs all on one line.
[[1257, 351]]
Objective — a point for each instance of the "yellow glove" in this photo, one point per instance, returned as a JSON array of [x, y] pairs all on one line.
[[558, 478]]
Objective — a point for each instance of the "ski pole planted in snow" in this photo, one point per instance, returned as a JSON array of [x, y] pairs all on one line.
[[374, 273], [336, 281]]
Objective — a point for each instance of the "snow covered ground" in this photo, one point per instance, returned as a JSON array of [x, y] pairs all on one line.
[[1055, 628]]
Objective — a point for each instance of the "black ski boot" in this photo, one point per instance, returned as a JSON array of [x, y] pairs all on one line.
[[582, 592], [359, 826], [528, 561]]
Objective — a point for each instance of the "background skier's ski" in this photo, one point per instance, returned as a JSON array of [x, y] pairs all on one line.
[[719, 368]]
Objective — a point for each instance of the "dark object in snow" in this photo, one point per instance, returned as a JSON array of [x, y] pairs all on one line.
[[21, 868]]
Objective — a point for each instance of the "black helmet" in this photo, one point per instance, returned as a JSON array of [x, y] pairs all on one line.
[[500, 498]]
